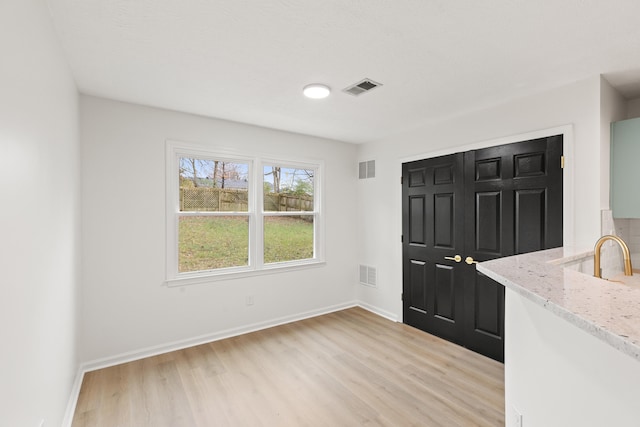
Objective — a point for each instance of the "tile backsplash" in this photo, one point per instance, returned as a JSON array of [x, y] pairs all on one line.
[[629, 231]]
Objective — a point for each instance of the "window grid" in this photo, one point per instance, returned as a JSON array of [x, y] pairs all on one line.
[[255, 215]]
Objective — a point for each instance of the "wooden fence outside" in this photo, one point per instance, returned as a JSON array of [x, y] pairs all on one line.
[[207, 199], [287, 202]]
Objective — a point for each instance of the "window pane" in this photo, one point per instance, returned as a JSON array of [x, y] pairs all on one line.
[[208, 242], [213, 185], [288, 238], [287, 189]]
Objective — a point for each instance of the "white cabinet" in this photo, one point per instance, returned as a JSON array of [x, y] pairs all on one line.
[[625, 168]]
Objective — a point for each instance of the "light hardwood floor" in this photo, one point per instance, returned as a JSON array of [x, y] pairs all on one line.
[[346, 368]]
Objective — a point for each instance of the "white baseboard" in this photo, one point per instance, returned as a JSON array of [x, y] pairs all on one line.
[[207, 338], [202, 339], [380, 312], [73, 399]]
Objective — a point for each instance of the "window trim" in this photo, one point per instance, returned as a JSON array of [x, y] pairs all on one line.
[[255, 214]]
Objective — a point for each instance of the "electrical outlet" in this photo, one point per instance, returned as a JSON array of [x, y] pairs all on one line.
[[249, 300]]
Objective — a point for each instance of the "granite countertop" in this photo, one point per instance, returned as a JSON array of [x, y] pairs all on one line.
[[608, 310]]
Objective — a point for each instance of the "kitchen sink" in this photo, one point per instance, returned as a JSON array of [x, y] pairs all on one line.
[[584, 264]]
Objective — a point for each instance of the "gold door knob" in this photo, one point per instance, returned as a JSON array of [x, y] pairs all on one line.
[[456, 258], [470, 260]]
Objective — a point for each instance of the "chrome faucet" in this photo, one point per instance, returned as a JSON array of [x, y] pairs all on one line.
[[625, 254]]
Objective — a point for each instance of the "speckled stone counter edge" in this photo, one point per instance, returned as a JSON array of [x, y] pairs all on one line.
[[606, 310]]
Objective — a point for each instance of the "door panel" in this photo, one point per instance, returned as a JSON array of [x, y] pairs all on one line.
[[488, 303], [530, 220], [416, 176], [443, 174], [488, 222], [417, 295], [482, 204], [444, 293], [513, 212], [432, 288], [443, 317], [417, 235], [487, 170], [529, 164], [443, 227]]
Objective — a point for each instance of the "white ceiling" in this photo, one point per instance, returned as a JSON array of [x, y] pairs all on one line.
[[248, 60]]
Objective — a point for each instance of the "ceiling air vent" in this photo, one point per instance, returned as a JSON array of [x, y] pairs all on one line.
[[361, 87]]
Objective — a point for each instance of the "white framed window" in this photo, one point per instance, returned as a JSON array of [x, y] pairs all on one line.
[[230, 215]]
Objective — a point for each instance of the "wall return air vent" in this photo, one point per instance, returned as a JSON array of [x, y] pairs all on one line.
[[367, 169], [361, 87], [368, 276]]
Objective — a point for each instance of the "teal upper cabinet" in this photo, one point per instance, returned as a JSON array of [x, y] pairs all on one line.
[[625, 168]]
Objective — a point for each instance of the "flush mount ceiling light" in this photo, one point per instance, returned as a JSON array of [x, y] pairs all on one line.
[[316, 91]]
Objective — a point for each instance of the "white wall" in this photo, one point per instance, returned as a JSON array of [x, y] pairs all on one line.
[[39, 218], [575, 106], [633, 108], [558, 375], [613, 107], [126, 307]]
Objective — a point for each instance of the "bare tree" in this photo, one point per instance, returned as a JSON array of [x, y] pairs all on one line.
[[222, 175], [276, 172], [189, 169], [224, 171], [195, 170], [215, 173], [309, 174]]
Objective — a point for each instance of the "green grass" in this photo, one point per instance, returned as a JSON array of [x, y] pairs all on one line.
[[287, 239], [207, 243]]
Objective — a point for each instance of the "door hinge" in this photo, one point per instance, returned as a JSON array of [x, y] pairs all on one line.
[[401, 297], [561, 162], [402, 238], [401, 180]]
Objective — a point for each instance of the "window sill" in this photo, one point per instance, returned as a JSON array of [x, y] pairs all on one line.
[[207, 277]]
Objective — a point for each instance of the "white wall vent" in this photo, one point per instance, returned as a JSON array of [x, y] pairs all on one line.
[[367, 169], [368, 276], [361, 87]]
